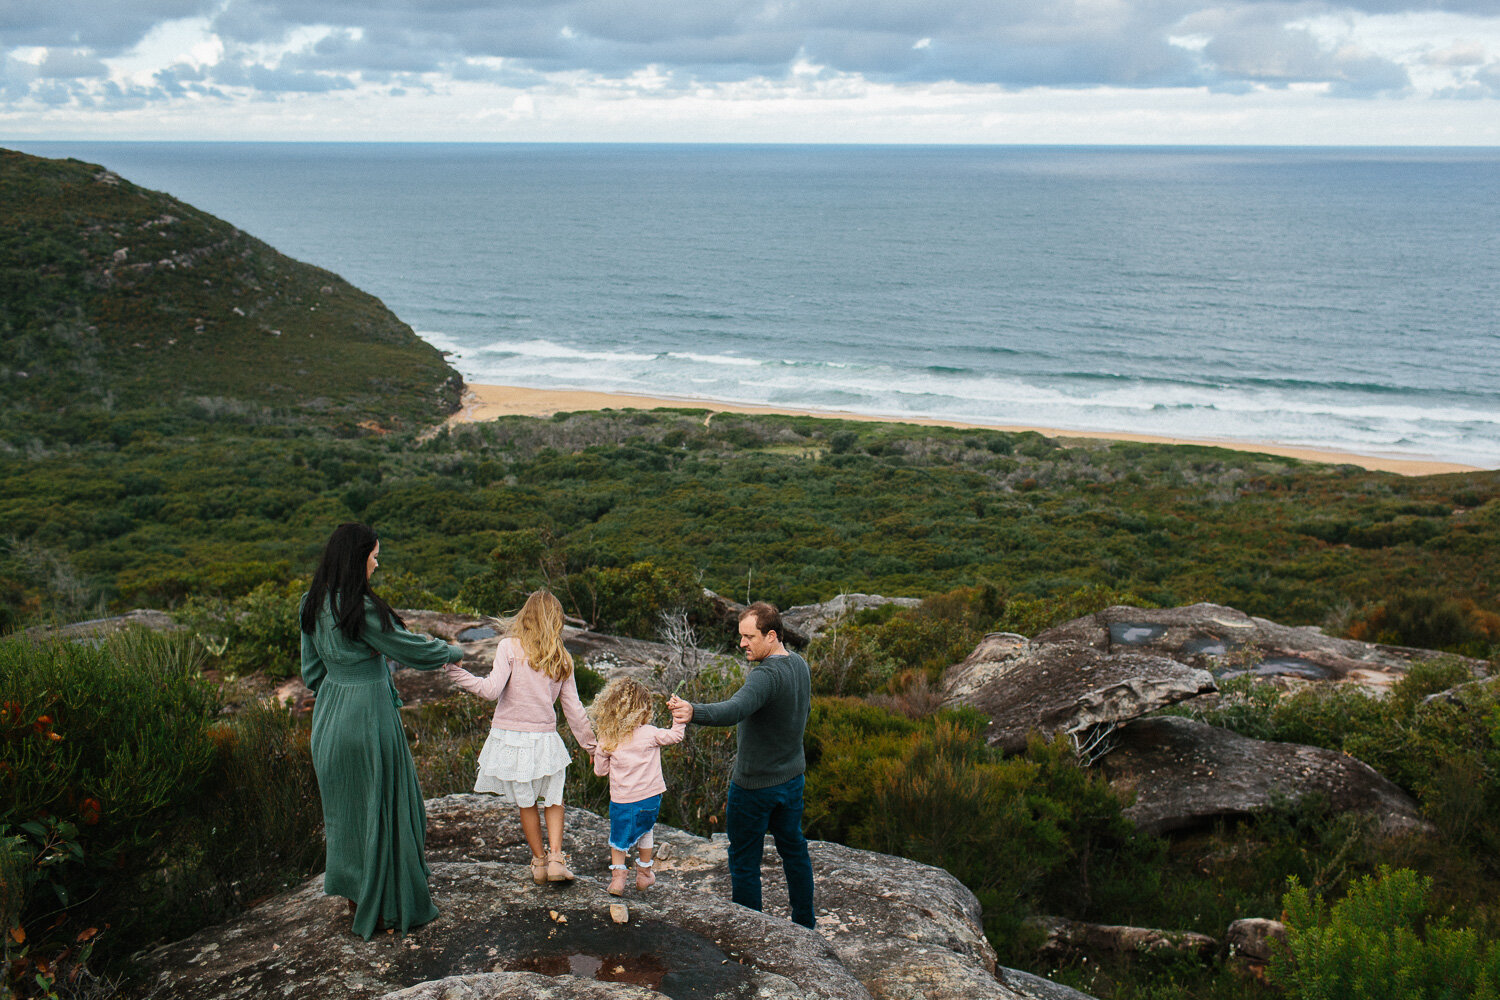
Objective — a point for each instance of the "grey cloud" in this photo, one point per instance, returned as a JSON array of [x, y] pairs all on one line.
[[1270, 53], [1059, 43], [68, 64], [270, 80], [108, 27], [1458, 54], [377, 52]]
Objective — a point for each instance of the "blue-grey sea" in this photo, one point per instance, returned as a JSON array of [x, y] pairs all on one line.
[[1341, 298]]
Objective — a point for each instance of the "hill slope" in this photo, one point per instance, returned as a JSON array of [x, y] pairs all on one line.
[[116, 298]]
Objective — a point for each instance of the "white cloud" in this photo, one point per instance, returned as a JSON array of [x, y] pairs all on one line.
[[897, 70]]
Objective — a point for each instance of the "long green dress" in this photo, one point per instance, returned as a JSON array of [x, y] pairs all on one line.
[[373, 817]]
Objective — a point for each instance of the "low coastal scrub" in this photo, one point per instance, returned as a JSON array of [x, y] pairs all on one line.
[[129, 812], [625, 514], [1436, 734], [1382, 941]]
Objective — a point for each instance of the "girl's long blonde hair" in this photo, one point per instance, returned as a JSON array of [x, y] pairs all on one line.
[[623, 705], [538, 627]]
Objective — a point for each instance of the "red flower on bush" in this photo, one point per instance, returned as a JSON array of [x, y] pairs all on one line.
[[91, 811]]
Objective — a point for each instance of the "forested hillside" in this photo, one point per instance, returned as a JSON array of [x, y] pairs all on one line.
[[123, 311]]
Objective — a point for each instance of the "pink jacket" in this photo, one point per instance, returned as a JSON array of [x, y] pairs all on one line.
[[634, 767], [524, 697]]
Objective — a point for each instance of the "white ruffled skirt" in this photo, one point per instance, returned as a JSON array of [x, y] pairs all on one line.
[[524, 769]]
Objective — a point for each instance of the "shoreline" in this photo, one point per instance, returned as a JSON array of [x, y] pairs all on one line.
[[489, 402]]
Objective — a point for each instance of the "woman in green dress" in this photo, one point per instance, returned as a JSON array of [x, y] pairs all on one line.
[[374, 821]]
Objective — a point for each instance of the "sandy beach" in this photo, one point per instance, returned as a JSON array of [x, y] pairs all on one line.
[[487, 402]]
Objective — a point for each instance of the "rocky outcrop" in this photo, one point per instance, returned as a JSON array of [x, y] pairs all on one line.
[[806, 622], [803, 623], [1063, 687], [1461, 694], [1253, 941], [888, 928], [1063, 938], [1185, 773], [1227, 642], [99, 627]]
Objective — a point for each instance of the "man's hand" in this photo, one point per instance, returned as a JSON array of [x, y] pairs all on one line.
[[682, 711]]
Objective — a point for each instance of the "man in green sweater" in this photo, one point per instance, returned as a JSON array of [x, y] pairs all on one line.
[[765, 789]]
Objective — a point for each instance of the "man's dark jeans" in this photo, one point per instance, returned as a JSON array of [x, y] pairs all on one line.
[[777, 810]]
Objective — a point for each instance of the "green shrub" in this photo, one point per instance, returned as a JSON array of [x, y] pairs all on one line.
[[1030, 615], [256, 633], [865, 653], [1035, 833], [1382, 942], [1425, 619], [129, 805], [630, 600], [850, 745]]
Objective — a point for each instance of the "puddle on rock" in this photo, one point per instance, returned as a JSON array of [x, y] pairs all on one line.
[[673, 961], [1208, 645], [1135, 633], [1292, 666], [476, 634], [637, 970]]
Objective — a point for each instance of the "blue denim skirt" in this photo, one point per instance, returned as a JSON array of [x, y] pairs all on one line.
[[630, 821]]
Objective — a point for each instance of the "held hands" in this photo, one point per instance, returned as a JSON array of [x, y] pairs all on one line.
[[681, 711]]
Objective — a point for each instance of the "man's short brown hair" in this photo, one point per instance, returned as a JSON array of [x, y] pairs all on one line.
[[767, 618]]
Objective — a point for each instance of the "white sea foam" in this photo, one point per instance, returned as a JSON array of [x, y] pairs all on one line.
[[731, 360], [546, 350], [1349, 420]]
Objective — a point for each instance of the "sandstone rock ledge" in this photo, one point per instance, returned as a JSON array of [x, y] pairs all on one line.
[[889, 929]]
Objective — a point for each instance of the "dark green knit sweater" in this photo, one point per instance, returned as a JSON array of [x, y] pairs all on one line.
[[770, 713]]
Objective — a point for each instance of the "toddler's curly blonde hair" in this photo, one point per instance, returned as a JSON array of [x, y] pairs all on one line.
[[623, 705]]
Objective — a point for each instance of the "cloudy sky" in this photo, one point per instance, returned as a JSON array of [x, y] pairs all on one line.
[[1091, 71]]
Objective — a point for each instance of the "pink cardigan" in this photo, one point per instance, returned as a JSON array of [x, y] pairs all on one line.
[[524, 697], [634, 767]]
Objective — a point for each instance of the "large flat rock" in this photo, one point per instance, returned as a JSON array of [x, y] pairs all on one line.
[[1064, 687], [889, 928], [1185, 773], [1228, 642]]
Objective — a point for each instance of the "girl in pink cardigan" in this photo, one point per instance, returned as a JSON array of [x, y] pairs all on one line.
[[629, 751], [524, 760]]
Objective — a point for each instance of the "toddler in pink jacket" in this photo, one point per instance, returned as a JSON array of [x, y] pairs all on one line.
[[629, 751]]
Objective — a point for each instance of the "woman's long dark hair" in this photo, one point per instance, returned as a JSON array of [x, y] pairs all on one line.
[[341, 578]]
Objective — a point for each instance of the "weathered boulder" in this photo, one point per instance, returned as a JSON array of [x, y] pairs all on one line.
[[523, 986], [1034, 987], [889, 928], [1063, 687], [1229, 642], [1184, 773], [805, 622], [100, 627], [1461, 694], [1253, 940], [1064, 938]]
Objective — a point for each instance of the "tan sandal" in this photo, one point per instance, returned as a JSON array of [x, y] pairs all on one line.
[[557, 867], [539, 870]]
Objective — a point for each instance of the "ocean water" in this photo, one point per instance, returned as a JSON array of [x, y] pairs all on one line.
[[1344, 299]]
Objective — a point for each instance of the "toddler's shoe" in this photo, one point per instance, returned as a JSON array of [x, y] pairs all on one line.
[[645, 877], [617, 879]]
